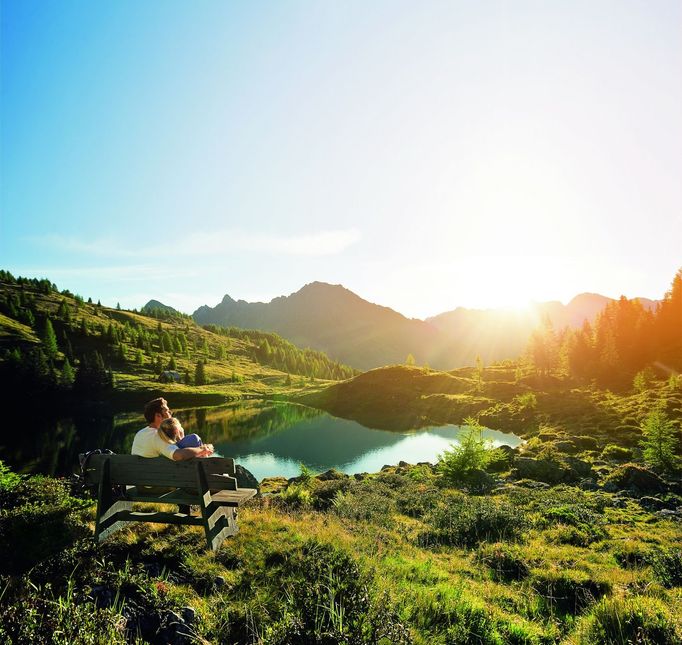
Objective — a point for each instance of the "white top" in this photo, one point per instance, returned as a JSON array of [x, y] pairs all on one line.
[[147, 443]]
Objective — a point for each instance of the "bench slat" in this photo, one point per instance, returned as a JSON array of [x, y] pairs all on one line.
[[159, 471]]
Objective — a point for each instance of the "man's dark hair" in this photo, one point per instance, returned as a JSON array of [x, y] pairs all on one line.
[[151, 409]]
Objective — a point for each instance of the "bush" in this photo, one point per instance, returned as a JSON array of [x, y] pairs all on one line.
[[8, 479], [640, 619], [616, 453], [41, 618], [568, 591], [364, 505], [527, 401], [324, 492], [416, 501], [452, 617], [632, 554], [466, 521], [41, 517], [503, 560], [587, 526], [296, 496], [329, 600], [636, 478], [667, 567]]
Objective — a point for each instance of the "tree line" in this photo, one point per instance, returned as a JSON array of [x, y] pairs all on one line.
[[81, 343], [627, 343]]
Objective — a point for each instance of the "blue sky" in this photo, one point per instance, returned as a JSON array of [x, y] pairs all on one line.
[[425, 155]]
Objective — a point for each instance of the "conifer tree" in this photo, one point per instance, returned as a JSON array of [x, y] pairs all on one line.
[[49, 339], [67, 374], [200, 373], [659, 441]]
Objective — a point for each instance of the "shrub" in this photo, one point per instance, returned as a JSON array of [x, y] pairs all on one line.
[[527, 400], [329, 600], [364, 505], [667, 567], [466, 521], [306, 476], [462, 462], [416, 501], [41, 618], [453, 616], [504, 561], [585, 442], [634, 477], [587, 526], [631, 554], [643, 379], [39, 514], [639, 619], [568, 591], [8, 479], [616, 453], [324, 492], [296, 496]]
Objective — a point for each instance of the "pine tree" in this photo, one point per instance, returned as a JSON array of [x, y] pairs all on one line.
[[200, 373], [49, 339], [67, 374], [659, 441], [171, 364]]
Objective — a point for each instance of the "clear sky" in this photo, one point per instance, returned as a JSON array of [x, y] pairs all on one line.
[[426, 155]]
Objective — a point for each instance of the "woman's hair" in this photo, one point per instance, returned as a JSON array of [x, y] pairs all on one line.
[[168, 429]]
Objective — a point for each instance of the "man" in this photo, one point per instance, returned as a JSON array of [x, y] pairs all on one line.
[[148, 443]]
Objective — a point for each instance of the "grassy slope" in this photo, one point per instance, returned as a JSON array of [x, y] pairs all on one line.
[[247, 592], [252, 379], [399, 397]]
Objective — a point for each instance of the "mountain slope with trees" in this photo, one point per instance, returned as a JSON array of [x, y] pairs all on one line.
[[53, 343]]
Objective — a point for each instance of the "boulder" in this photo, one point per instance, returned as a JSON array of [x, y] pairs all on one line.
[[567, 447], [635, 479], [542, 470], [581, 468], [585, 442], [332, 473], [245, 479]]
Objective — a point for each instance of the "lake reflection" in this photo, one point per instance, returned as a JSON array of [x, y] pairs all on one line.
[[268, 438], [275, 439]]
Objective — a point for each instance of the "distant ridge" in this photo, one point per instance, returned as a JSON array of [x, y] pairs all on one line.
[[155, 305], [365, 335]]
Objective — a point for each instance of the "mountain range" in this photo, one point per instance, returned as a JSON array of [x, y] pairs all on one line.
[[365, 335]]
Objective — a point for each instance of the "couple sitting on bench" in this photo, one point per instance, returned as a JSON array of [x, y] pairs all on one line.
[[163, 468], [164, 436]]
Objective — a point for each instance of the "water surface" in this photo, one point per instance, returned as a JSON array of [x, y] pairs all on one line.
[[268, 438]]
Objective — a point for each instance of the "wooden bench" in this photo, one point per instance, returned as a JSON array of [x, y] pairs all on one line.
[[209, 483]]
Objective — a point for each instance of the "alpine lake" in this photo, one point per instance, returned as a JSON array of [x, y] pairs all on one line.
[[268, 438]]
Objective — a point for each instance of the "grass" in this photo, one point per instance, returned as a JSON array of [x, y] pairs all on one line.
[[360, 570]]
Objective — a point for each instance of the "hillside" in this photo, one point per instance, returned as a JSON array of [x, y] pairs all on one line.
[[354, 331], [56, 343]]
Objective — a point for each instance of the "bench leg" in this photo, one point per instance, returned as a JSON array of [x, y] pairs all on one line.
[[107, 508], [107, 524], [219, 524]]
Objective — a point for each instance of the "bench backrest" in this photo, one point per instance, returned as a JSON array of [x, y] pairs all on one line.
[[131, 470]]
